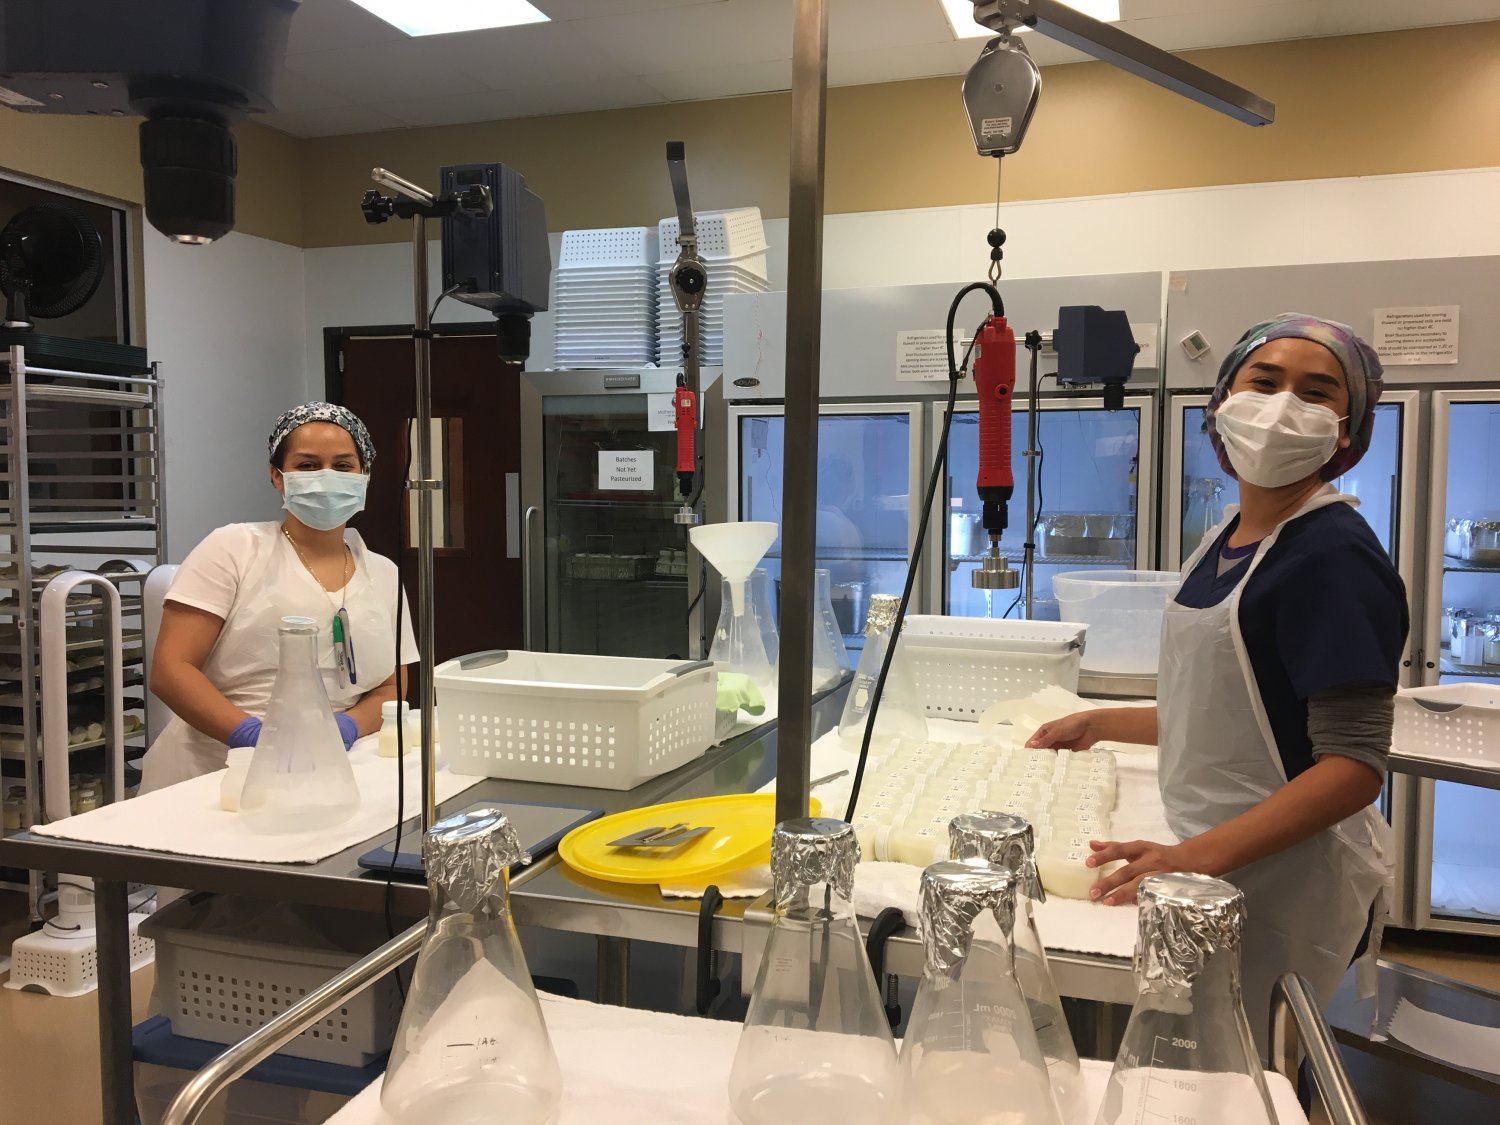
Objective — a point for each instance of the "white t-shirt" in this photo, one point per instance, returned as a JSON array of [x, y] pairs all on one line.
[[250, 576]]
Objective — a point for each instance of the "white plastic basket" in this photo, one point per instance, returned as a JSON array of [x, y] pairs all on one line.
[[606, 722], [963, 665], [220, 982], [732, 233], [608, 246], [1459, 722]]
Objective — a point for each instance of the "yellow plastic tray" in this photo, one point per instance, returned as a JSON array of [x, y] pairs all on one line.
[[741, 838]]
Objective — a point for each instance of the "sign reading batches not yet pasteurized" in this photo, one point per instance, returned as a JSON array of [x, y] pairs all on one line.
[[627, 470]]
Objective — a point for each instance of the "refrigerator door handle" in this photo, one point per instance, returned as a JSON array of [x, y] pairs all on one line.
[[527, 538]]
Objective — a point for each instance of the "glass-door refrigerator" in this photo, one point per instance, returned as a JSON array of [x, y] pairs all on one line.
[[868, 489], [1094, 466], [1457, 870], [607, 570]]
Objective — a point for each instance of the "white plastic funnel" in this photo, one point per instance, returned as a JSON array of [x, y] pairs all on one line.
[[733, 549]]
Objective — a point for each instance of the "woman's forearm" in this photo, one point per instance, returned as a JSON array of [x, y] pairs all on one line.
[[1124, 724], [194, 699], [1332, 790]]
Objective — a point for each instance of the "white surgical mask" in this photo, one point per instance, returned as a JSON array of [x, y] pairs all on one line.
[[324, 498], [1276, 440]]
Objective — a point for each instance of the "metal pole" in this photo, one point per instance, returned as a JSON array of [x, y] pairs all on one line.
[[1033, 421], [424, 484], [612, 983], [1293, 996], [116, 1055], [208, 1083], [804, 313]]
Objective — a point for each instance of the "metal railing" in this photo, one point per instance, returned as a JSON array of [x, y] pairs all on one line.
[[1298, 1028], [234, 1063]]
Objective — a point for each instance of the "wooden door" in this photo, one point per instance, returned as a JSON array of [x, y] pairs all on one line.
[[476, 452]]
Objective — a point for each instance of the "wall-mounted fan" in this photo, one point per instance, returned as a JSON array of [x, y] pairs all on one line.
[[51, 262]]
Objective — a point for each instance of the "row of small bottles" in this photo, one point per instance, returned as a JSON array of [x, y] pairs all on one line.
[[986, 1044]]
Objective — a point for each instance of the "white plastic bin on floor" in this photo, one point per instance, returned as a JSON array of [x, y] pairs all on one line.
[[1123, 610]]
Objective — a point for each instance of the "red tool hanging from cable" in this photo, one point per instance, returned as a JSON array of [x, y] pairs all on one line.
[[994, 370]]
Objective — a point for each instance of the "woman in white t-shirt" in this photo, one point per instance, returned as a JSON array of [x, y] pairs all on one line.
[[216, 654]]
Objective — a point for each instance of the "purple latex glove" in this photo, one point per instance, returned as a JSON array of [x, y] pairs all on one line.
[[247, 733], [347, 727]]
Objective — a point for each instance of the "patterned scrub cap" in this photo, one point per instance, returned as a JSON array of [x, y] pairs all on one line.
[[324, 412], [1362, 375]]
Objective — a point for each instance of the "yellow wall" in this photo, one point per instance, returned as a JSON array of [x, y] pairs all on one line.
[[1359, 105]]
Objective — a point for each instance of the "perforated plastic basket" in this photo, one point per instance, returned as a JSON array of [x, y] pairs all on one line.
[[607, 722], [963, 665], [608, 246], [1459, 722], [732, 233], [220, 982]]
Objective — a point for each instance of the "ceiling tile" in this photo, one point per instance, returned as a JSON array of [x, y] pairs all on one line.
[[326, 25], [588, 9], [386, 72], [724, 81], [538, 54], [533, 101], [722, 34], [867, 25], [335, 122], [298, 92], [895, 64]]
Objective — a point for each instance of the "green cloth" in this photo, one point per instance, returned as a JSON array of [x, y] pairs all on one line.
[[737, 692]]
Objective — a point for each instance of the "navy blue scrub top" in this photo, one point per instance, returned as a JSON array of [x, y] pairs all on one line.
[[1325, 609]]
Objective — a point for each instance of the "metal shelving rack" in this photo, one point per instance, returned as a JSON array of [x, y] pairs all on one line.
[[81, 477]]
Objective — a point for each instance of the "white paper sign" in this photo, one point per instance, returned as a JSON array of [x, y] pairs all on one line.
[[1413, 336], [627, 470], [661, 412], [1145, 336], [922, 356]]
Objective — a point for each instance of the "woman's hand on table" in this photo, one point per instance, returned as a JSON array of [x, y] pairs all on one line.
[[1139, 858], [1071, 732]]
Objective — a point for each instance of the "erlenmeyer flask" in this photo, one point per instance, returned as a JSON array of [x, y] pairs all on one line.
[[472, 1047], [1007, 842], [299, 776], [970, 1056], [760, 597], [738, 644], [900, 715], [1187, 1055], [816, 1045], [830, 654]]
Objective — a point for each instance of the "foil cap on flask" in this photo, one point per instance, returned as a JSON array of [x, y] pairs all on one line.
[[954, 894], [881, 616], [808, 851], [1184, 920], [469, 853], [1002, 839]]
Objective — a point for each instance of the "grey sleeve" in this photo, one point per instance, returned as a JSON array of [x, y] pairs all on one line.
[[1353, 721]]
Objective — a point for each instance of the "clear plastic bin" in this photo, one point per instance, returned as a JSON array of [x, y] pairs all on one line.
[[1123, 610]]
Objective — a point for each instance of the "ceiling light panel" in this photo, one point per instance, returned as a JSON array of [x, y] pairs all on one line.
[[960, 15], [444, 17]]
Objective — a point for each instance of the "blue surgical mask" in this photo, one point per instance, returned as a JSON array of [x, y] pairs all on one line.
[[324, 498]]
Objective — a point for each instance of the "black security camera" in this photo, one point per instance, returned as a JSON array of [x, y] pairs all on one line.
[[191, 68]]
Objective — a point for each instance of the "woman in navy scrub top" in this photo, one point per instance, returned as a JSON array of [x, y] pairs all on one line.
[[1279, 665]]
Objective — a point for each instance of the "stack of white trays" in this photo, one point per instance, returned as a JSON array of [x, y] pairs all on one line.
[[732, 245], [604, 298]]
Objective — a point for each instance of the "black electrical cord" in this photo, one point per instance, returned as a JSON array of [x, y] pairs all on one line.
[[955, 374]]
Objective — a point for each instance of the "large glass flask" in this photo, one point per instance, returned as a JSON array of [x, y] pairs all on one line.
[[760, 597], [816, 1045], [299, 777], [970, 1056], [900, 715], [739, 642], [830, 655], [1187, 1057], [1007, 842], [472, 1047]]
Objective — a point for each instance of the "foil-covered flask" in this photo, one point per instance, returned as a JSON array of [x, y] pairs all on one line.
[[900, 716], [1007, 842], [1188, 1055], [472, 1047], [816, 1045], [970, 1054]]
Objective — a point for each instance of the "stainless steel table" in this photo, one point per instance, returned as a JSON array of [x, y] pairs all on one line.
[[1419, 765]]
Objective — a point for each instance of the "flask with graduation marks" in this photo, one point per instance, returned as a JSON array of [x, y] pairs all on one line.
[[1007, 842], [970, 1056]]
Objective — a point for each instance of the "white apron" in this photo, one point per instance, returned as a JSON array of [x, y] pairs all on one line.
[[1306, 906], [243, 662]]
